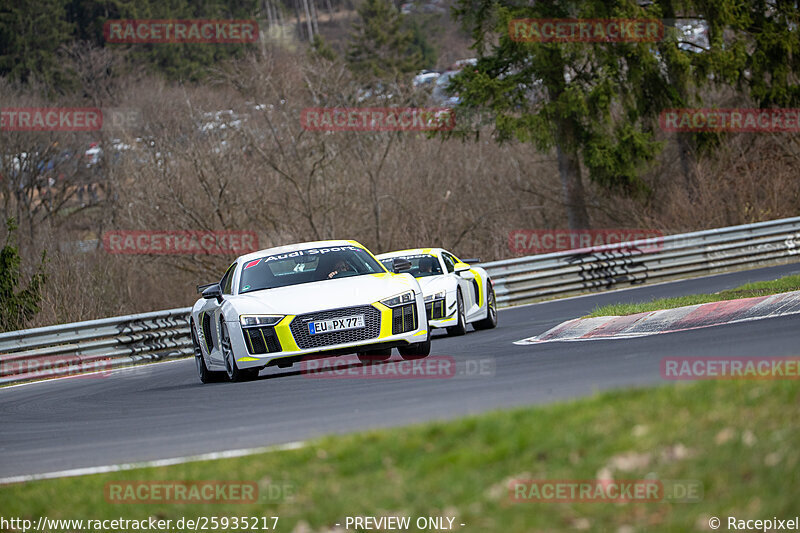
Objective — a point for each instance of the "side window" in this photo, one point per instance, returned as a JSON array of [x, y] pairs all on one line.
[[227, 280], [449, 262]]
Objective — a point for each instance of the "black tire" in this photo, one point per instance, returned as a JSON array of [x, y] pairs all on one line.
[[491, 312], [418, 350], [206, 376], [460, 328], [375, 356], [234, 373]]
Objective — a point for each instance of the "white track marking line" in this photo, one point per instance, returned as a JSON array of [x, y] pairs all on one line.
[[149, 464]]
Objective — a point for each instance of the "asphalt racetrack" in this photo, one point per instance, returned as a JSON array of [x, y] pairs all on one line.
[[163, 411]]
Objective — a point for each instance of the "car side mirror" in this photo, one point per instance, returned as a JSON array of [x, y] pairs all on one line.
[[201, 288], [400, 265], [471, 261], [213, 291], [461, 267]]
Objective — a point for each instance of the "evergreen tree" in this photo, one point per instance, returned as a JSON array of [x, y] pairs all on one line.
[[420, 42], [320, 48], [186, 61], [595, 103], [380, 48], [753, 46], [17, 306], [586, 100], [30, 34]]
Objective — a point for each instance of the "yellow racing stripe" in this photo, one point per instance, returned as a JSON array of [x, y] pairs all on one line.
[[285, 335]]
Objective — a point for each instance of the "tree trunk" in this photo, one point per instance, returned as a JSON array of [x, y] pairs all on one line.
[[330, 10], [279, 17], [308, 22], [314, 17], [297, 15], [268, 9], [569, 169], [679, 82], [376, 213]]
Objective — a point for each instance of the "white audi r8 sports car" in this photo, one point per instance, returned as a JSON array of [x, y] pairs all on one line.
[[326, 298], [456, 294]]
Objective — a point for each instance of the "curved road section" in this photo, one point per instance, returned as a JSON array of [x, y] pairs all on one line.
[[161, 411]]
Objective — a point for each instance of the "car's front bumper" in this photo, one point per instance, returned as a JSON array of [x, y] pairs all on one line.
[[289, 342], [441, 313]]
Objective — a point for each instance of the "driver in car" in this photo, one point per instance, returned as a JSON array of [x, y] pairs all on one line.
[[339, 267], [426, 265]]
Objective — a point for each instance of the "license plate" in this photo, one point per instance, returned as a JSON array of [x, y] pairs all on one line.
[[336, 324]]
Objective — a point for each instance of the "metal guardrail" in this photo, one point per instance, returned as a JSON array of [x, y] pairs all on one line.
[[98, 345], [94, 345], [533, 278]]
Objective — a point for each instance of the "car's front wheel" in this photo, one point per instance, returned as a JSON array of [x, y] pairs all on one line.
[[461, 327], [234, 372], [491, 313], [206, 376]]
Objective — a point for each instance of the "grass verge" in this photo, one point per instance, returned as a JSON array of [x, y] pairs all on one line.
[[748, 290], [739, 440]]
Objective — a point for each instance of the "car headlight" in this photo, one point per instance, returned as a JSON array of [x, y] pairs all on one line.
[[249, 321], [400, 299], [437, 296]]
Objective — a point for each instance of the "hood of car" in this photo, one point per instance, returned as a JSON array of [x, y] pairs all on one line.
[[321, 295]]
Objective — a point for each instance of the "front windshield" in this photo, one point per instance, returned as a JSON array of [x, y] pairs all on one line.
[[305, 266], [422, 265]]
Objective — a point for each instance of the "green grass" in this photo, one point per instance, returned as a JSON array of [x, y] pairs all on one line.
[[741, 440], [749, 290]]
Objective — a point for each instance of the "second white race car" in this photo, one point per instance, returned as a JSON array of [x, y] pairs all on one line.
[[456, 294]]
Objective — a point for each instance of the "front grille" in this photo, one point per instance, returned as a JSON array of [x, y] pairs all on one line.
[[261, 340], [404, 319], [305, 340], [435, 309]]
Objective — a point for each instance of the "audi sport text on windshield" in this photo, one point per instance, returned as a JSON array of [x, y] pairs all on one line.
[[305, 266]]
